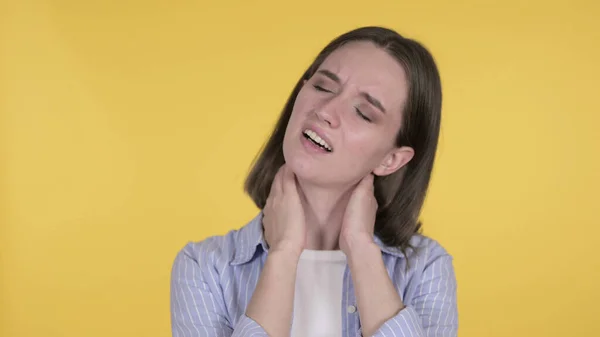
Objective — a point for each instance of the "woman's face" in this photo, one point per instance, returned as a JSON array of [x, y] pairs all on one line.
[[352, 107]]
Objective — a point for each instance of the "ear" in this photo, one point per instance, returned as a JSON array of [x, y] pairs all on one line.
[[394, 160]]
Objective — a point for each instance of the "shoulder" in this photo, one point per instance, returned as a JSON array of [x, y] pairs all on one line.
[[426, 248], [221, 250], [211, 249], [424, 254]]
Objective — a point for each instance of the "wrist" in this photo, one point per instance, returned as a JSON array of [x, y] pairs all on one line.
[[288, 254], [287, 247], [358, 245]]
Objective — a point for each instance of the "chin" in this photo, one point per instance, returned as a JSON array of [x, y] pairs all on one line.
[[298, 163], [303, 167], [308, 167], [311, 172]]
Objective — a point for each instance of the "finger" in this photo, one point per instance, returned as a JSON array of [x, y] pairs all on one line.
[[276, 186], [367, 182], [289, 181], [269, 202]]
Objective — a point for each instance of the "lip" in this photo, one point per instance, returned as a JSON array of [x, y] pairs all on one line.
[[320, 132]]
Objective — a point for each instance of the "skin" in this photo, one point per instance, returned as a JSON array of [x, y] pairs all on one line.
[[325, 201]]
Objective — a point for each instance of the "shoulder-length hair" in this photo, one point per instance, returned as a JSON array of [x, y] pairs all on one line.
[[400, 195]]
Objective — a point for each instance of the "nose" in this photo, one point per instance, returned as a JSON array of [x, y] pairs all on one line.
[[329, 114]]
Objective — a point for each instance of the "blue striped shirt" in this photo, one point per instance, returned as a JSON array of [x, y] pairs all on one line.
[[213, 280]]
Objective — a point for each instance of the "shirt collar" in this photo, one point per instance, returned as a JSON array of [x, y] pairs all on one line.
[[250, 238]]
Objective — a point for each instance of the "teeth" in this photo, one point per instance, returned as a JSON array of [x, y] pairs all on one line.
[[313, 135]]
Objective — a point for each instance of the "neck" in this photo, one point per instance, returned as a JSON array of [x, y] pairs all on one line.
[[323, 212]]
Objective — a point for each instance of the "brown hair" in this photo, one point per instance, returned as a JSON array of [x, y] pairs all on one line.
[[400, 195]]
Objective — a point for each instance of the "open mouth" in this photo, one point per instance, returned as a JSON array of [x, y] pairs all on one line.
[[315, 139]]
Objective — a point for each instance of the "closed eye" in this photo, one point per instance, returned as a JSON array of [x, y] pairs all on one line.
[[363, 116], [320, 88]]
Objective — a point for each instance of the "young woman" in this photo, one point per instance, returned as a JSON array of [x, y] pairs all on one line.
[[335, 250]]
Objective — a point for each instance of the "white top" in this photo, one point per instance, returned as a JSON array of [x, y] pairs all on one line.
[[318, 295]]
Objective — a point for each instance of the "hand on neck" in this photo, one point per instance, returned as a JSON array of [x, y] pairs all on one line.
[[324, 209]]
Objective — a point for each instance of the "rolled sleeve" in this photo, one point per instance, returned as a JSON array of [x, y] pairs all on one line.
[[433, 312], [247, 327], [406, 323]]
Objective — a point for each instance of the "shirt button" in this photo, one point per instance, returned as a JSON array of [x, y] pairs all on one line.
[[351, 309]]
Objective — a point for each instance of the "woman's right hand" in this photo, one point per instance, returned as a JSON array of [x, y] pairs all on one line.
[[283, 215], [272, 302]]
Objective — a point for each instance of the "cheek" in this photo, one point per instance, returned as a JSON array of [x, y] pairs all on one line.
[[298, 111], [364, 147], [302, 104], [367, 148]]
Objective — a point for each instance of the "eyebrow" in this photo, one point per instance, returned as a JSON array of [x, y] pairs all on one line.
[[372, 100]]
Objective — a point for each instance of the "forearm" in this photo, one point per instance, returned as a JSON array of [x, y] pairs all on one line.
[[377, 298], [271, 305]]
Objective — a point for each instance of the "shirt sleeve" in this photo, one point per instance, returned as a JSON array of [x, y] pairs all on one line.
[[196, 307], [433, 312]]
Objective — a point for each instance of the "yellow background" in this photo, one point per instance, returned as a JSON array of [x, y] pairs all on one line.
[[127, 128]]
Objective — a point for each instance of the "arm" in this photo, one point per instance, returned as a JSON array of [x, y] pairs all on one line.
[[272, 302], [273, 298], [433, 311], [195, 309], [376, 296]]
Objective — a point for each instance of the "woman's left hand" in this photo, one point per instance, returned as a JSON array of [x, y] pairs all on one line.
[[358, 223]]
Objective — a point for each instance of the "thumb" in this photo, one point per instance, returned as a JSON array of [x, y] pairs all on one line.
[[289, 180], [367, 181]]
